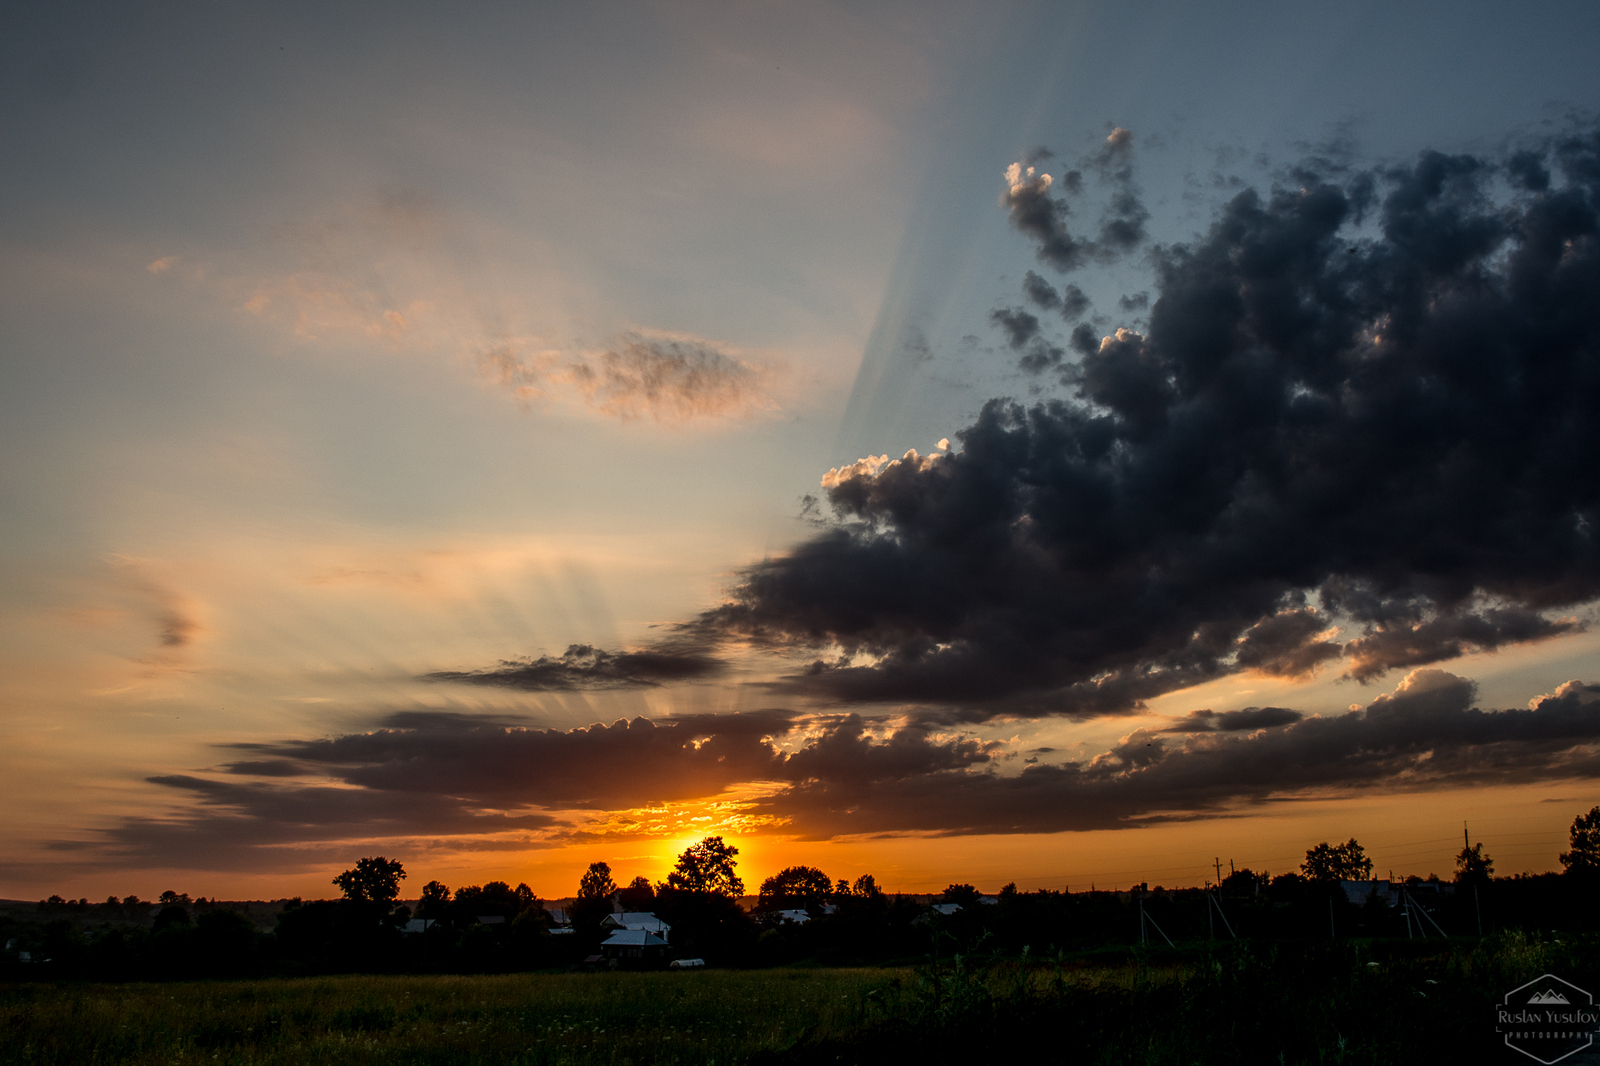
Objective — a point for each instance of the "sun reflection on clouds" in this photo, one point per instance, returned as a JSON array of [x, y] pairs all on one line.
[[729, 814]]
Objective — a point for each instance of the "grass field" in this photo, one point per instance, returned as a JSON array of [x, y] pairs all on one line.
[[1289, 1002], [697, 1017]]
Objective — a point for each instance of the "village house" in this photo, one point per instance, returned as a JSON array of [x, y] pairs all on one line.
[[633, 947], [636, 920]]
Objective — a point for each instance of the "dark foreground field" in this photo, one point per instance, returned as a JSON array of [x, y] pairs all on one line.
[[1350, 1002]]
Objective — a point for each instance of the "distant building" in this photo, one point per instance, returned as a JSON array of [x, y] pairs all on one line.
[[1358, 892], [636, 920], [633, 947]]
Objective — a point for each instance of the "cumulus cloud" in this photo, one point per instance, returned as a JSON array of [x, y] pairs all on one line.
[[440, 774], [500, 782], [1036, 212], [1426, 735], [1358, 432]]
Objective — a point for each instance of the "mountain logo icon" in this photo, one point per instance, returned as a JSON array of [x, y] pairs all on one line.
[[1548, 996]]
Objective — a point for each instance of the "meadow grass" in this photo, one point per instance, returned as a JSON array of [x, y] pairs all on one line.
[[1370, 1002], [613, 1018]]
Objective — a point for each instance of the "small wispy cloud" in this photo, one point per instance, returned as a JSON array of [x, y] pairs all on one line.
[[665, 377], [373, 277]]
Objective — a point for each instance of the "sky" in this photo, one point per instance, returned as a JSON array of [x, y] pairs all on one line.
[[1061, 444]]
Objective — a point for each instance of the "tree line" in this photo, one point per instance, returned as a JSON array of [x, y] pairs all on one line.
[[799, 914]]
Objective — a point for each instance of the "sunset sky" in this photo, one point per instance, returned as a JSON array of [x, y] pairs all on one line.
[[1054, 443]]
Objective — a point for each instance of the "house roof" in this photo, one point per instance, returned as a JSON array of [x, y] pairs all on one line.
[[635, 920], [633, 938]]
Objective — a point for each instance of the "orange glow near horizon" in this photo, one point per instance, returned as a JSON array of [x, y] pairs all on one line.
[[1523, 828]]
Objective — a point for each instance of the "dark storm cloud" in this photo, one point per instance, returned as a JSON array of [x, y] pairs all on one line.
[[250, 826], [583, 666], [1041, 292], [1042, 216], [1234, 721], [1019, 326], [1425, 736], [436, 774], [624, 764], [1446, 637], [483, 784], [1371, 442], [1071, 302], [1074, 303]]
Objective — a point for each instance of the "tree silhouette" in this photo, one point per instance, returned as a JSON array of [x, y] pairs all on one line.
[[594, 898], [374, 880], [1337, 862], [965, 895], [640, 895], [866, 886], [1584, 858], [596, 882], [1473, 866], [707, 867], [435, 901], [805, 885]]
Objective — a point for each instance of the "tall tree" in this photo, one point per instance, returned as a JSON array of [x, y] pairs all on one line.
[[707, 867], [435, 901], [1473, 865], [805, 886], [594, 898], [866, 887], [1337, 862], [966, 895], [640, 895], [596, 882], [1584, 858], [373, 880]]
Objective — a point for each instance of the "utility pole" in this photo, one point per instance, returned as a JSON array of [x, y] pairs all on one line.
[[1477, 907], [1211, 924], [1145, 919], [1216, 901], [1218, 864]]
